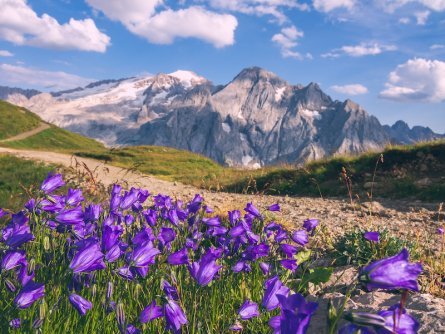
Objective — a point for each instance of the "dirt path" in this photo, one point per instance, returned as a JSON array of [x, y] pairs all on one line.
[[402, 217], [24, 135]]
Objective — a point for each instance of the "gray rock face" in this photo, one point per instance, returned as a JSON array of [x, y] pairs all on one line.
[[257, 119], [401, 133]]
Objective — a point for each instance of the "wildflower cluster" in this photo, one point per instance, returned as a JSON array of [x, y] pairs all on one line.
[[152, 263]]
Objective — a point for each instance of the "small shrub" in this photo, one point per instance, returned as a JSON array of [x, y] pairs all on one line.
[[353, 248]]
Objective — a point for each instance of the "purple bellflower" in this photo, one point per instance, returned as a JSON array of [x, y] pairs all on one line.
[[179, 257], [273, 287], [397, 321], [310, 224], [300, 237], [80, 304], [296, 313], [205, 270], [29, 294], [274, 207], [13, 259], [15, 323], [248, 310], [394, 272], [52, 183], [174, 316], [151, 312], [70, 216], [88, 259], [372, 236]]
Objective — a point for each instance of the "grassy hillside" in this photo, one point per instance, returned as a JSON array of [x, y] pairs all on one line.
[[17, 176], [23, 120], [405, 171], [56, 139], [416, 171]]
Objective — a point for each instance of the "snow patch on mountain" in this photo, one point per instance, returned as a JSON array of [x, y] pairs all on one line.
[[188, 78]]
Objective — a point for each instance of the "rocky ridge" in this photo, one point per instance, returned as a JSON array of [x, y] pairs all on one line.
[[255, 120]]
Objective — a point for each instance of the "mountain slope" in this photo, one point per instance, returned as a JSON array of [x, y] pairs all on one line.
[[166, 163], [257, 119], [15, 120]]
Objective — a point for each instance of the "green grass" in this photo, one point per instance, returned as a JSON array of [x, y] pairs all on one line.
[[24, 120], [17, 176], [58, 140], [396, 176]]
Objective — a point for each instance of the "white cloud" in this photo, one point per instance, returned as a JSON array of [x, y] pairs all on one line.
[[392, 6], [259, 7], [422, 17], [363, 49], [419, 80], [437, 47], [353, 89], [31, 77], [404, 20], [330, 5], [163, 27], [20, 25], [5, 53], [287, 39], [437, 5]]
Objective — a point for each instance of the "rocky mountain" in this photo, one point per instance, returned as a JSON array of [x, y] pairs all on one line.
[[257, 119], [401, 133], [5, 92]]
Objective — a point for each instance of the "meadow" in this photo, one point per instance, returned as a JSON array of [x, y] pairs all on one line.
[[137, 262]]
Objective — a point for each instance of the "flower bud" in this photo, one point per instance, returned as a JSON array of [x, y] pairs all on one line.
[[365, 319], [46, 243], [109, 290], [31, 266]]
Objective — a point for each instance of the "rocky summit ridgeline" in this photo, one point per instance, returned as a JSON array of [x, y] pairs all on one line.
[[257, 119]]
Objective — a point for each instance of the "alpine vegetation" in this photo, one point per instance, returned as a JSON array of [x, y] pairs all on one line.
[[151, 263]]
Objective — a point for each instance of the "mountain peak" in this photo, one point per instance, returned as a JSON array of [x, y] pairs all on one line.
[[400, 125], [188, 78], [256, 74]]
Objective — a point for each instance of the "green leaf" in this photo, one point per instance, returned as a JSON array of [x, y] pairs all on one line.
[[319, 275], [303, 256]]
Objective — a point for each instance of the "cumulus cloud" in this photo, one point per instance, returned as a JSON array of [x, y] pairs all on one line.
[[353, 89], [31, 77], [330, 5], [287, 39], [5, 53], [143, 18], [274, 8], [20, 25], [422, 17], [363, 49], [418, 80]]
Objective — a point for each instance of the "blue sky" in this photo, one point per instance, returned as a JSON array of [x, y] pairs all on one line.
[[389, 56]]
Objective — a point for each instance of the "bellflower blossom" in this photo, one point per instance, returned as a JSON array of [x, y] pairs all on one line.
[[29, 294], [80, 304], [394, 272], [372, 236], [248, 310]]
